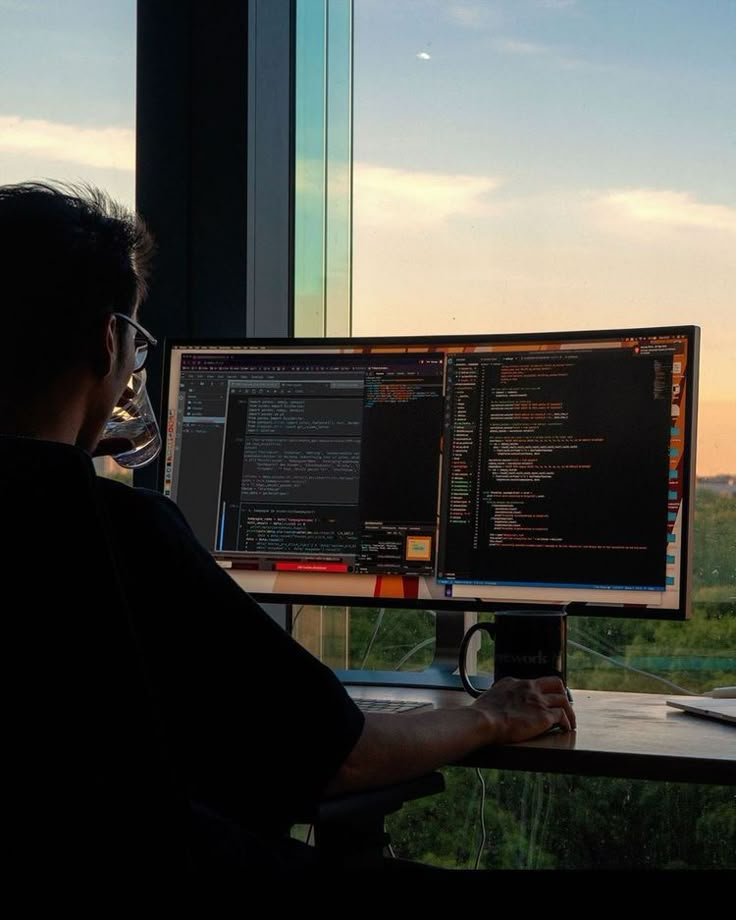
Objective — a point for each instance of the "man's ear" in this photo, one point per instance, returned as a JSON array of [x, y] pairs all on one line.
[[105, 346]]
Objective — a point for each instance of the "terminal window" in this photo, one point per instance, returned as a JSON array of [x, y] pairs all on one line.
[[557, 465]]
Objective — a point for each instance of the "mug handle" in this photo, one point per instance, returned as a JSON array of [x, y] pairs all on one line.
[[490, 628]]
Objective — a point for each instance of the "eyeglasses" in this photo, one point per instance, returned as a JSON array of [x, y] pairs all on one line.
[[143, 340]]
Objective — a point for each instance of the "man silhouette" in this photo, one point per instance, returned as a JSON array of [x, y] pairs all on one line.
[[251, 751]]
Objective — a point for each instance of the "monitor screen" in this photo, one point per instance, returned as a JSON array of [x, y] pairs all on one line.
[[480, 472]]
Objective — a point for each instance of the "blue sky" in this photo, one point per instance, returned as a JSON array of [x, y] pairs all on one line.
[[69, 60], [519, 164], [552, 94]]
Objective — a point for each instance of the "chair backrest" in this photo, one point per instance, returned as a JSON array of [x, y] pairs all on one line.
[[90, 792]]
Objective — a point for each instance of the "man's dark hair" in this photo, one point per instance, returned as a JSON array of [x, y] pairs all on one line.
[[68, 254]]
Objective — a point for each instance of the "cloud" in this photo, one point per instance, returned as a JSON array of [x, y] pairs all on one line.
[[512, 46], [479, 16], [467, 14], [424, 56], [393, 198], [667, 207], [386, 196], [106, 147], [556, 4], [548, 54]]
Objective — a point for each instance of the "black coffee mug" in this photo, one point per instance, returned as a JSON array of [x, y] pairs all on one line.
[[527, 644]]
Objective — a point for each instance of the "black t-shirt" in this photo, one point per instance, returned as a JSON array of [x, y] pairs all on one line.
[[255, 724]]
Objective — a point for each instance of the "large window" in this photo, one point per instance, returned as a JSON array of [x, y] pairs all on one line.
[[526, 165], [530, 165]]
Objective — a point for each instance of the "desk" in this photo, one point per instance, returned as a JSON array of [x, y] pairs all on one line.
[[633, 735]]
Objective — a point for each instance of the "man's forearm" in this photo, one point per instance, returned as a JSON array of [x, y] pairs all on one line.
[[395, 747]]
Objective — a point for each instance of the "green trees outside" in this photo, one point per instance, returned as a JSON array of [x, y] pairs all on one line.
[[544, 821]]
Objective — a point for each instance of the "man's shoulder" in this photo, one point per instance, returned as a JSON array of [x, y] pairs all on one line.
[[121, 492], [145, 504]]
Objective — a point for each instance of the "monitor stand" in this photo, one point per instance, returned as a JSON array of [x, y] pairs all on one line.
[[441, 674]]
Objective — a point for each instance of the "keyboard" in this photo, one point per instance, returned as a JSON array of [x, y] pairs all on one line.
[[366, 705]]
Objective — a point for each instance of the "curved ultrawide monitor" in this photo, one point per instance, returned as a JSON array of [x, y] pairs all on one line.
[[480, 472]]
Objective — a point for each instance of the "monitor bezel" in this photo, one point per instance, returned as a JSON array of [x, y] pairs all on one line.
[[583, 608]]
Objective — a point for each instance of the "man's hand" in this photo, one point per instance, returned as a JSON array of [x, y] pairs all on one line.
[[398, 746], [521, 709]]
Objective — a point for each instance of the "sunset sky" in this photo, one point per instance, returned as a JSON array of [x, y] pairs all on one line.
[[520, 165]]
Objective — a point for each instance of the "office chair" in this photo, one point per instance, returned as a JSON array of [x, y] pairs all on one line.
[[90, 795], [350, 829]]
